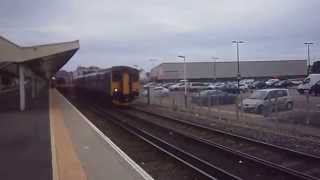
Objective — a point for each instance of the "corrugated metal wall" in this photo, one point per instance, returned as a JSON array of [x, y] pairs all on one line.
[[205, 70]]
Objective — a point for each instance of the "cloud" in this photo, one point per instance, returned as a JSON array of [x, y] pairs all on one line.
[[131, 32]]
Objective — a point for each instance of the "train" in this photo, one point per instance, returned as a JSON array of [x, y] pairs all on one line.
[[119, 85]]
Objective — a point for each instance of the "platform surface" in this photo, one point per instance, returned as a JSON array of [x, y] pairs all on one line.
[[25, 151], [89, 154]]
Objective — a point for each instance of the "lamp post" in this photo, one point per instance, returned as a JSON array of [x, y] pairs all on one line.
[[238, 61], [214, 68], [308, 54], [184, 79]]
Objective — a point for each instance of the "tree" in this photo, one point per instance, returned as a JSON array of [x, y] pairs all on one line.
[[315, 69]]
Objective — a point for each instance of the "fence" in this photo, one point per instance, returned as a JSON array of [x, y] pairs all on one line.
[[304, 112]]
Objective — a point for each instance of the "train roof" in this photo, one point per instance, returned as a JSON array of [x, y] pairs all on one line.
[[103, 71]]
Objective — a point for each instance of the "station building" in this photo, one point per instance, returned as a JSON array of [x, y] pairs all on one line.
[[207, 71]]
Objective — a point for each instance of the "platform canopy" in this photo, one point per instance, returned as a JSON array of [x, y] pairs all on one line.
[[43, 60]]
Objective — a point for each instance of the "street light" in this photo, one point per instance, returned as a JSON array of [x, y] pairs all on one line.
[[214, 67], [308, 54], [238, 61], [185, 79]]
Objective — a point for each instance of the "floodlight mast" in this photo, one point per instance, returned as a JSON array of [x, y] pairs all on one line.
[[184, 79]]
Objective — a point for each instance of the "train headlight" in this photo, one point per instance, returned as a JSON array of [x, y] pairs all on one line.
[[115, 89]]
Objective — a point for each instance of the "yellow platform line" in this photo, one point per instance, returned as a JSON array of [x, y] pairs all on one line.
[[65, 162]]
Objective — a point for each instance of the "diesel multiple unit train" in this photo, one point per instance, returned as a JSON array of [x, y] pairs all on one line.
[[118, 84]]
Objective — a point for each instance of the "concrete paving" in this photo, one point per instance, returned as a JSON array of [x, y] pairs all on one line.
[[25, 151]]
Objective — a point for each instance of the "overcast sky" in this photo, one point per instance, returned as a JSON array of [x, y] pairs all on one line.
[[130, 32]]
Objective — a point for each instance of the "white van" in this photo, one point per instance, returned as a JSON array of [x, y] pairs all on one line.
[[308, 82]]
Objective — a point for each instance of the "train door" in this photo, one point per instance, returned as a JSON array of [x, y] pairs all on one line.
[[125, 83]]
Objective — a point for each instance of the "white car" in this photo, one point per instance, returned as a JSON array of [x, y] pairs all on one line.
[[176, 87], [217, 85], [198, 86], [150, 84], [247, 81], [160, 91], [263, 99], [270, 82], [308, 82], [243, 87]]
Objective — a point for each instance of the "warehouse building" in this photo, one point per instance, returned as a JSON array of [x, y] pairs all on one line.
[[228, 70]]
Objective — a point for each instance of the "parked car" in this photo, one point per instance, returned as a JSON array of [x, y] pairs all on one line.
[[198, 86], [263, 99], [308, 82], [247, 81], [296, 82], [213, 97], [283, 84], [271, 82], [243, 87], [230, 88], [160, 91], [315, 89], [150, 84], [217, 85], [167, 85], [144, 92], [258, 85], [176, 87]]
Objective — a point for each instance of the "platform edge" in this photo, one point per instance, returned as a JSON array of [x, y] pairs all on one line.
[[55, 173], [133, 164]]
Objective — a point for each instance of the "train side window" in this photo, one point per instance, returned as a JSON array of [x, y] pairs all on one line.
[[116, 76]]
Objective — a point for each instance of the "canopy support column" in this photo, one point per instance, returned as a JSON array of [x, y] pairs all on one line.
[[22, 90], [33, 87]]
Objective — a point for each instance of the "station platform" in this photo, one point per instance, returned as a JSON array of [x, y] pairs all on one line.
[[25, 150], [53, 140]]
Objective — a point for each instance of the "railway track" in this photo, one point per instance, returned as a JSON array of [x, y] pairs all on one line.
[[204, 168], [210, 159], [298, 164]]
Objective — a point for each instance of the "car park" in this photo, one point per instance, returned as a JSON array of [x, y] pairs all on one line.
[[213, 97], [198, 86], [267, 99]]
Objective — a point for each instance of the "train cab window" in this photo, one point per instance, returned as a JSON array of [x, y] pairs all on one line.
[[134, 77], [116, 76]]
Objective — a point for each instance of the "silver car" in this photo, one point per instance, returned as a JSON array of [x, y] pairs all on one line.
[[270, 99]]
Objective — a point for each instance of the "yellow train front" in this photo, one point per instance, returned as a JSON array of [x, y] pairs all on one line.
[[119, 85], [125, 85]]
